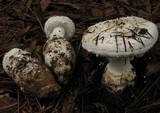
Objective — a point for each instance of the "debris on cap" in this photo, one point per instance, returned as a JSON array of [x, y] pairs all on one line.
[[121, 37]]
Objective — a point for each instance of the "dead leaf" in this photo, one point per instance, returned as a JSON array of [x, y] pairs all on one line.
[[153, 68], [3, 93], [69, 103], [156, 9], [1, 70], [28, 5], [75, 6], [144, 14], [110, 12], [22, 31], [97, 12], [121, 11], [147, 5], [8, 46], [22, 4], [44, 4], [124, 1], [7, 104]]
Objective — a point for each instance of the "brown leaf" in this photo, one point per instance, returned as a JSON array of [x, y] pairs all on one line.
[[1, 69], [96, 12], [144, 14], [69, 103], [124, 1], [29, 2], [22, 4], [121, 11], [8, 46], [22, 31], [75, 6], [44, 4], [147, 5], [153, 68], [110, 12], [156, 9], [7, 103]]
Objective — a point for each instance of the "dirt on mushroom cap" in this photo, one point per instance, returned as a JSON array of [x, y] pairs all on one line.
[[121, 37]]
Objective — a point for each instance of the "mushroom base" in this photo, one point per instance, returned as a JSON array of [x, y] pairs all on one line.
[[118, 74], [60, 57]]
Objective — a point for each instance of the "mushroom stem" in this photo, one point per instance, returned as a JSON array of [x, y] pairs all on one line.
[[118, 74], [119, 66], [57, 32]]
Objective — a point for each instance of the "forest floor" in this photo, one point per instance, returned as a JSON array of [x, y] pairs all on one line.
[[21, 25]]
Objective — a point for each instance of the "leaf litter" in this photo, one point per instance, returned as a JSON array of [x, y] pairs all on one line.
[[21, 26]]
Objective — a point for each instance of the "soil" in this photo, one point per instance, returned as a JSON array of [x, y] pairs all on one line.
[[21, 25]]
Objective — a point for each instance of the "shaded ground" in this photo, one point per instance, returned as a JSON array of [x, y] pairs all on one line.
[[21, 25]]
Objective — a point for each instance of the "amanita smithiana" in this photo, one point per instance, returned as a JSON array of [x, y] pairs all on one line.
[[31, 75], [120, 40], [58, 53]]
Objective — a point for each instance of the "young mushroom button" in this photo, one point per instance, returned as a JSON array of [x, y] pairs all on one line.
[[60, 57], [29, 73], [120, 40], [59, 26], [58, 53]]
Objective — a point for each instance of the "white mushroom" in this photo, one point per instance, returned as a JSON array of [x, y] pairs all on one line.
[[120, 40], [60, 57], [29, 73], [59, 26]]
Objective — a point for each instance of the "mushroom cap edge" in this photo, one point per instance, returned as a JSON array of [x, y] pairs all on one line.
[[60, 21]]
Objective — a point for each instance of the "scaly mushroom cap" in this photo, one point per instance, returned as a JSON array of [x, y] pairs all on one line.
[[29, 74], [121, 37], [60, 22], [60, 57]]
